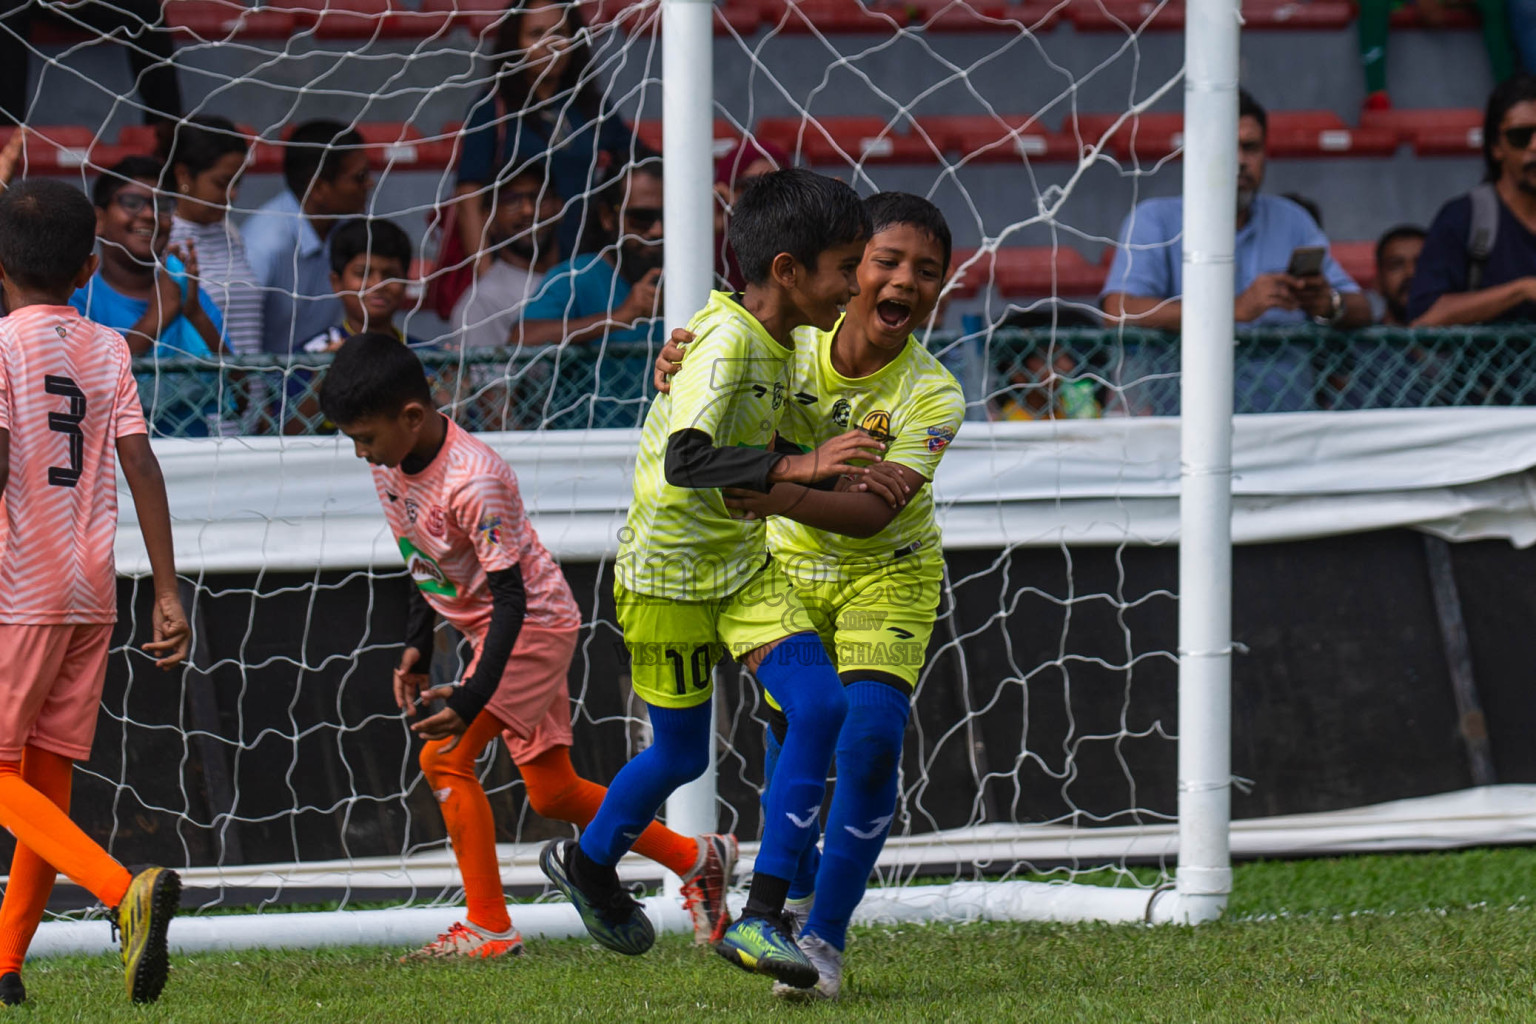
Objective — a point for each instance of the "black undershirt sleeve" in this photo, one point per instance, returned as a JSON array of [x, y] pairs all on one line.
[[420, 624], [509, 606], [693, 461]]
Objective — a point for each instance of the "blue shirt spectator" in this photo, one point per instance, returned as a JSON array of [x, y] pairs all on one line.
[[323, 161], [1150, 260]]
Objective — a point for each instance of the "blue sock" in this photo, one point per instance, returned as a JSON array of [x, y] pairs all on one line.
[[868, 757], [801, 678], [804, 882], [679, 753]]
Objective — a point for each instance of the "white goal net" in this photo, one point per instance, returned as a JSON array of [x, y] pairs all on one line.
[[1043, 741]]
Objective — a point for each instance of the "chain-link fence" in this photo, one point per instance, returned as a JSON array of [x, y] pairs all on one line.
[[1007, 374]]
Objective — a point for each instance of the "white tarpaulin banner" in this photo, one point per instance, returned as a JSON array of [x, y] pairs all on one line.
[[242, 504]]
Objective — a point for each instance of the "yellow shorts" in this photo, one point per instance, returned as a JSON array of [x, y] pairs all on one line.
[[876, 624], [675, 645]]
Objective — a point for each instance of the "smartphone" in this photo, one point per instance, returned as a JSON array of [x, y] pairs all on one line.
[[1306, 261]]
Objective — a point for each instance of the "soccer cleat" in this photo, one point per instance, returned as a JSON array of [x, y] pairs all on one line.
[[465, 941], [12, 991], [828, 961], [762, 945], [704, 893], [799, 911], [612, 917], [142, 919]]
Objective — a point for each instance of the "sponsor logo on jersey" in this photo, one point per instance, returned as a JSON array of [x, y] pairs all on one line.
[[841, 412], [437, 521], [939, 438], [861, 619], [489, 529], [878, 426], [429, 576], [778, 393]]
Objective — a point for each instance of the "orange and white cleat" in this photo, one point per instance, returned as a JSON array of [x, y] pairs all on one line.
[[466, 941], [705, 890]]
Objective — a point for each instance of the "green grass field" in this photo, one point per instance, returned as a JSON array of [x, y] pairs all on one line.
[[1441, 937]]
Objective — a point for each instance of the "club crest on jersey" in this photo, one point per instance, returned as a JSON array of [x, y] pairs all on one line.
[[489, 529], [412, 510], [437, 521], [425, 571], [939, 438], [842, 411], [878, 426]]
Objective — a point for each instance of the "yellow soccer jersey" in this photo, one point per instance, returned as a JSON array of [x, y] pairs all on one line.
[[912, 404], [682, 543]]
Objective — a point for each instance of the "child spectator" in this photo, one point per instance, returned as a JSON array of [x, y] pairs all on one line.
[[370, 257], [205, 166], [145, 288], [69, 416]]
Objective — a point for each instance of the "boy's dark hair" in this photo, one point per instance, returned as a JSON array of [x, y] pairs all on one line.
[[372, 375], [376, 236], [1401, 231], [1517, 88], [887, 209], [128, 169], [314, 153], [47, 232], [203, 141], [795, 211], [1247, 106]]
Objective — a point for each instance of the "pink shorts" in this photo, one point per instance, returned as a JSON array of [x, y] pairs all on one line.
[[50, 687], [534, 698]]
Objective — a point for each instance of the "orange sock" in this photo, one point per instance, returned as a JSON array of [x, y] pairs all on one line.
[[467, 813], [556, 791], [39, 824], [31, 877]]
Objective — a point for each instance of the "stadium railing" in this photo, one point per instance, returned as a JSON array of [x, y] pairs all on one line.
[[1010, 373]]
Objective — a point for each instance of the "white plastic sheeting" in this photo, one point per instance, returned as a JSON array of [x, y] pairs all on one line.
[[244, 504]]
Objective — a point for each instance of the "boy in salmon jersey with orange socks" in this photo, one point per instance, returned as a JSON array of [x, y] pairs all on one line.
[[454, 507], [69, 416]]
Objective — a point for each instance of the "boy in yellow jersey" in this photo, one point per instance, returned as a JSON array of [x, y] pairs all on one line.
[[693, 578], [868, 570]]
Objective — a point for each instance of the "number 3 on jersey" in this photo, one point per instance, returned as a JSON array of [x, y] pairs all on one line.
[[68, 424]]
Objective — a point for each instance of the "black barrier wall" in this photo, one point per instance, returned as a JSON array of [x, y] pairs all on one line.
[[1052, 697]]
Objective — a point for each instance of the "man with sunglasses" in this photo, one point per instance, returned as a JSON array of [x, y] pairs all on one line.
[[1479, 273], [612, 294]]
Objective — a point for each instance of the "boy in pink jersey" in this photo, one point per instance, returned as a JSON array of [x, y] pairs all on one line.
[[453, 506], [69, 413]]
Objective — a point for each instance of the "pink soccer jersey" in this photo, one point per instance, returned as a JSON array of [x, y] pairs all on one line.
[[461, 517], [66, 395]]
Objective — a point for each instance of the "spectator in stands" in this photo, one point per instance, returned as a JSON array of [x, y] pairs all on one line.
[[1374, 22], [137, 24], [522, 234], [146, 289], [748, 160], [614, 293], [207, 158], [370, 258], [544, 108], [1313, 210], [1042, 378], [1147, 276], [1397, 254], [1457, 282], [326, 172]]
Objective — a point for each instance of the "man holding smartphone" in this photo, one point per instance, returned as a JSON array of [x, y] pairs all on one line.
[[1285, 274]]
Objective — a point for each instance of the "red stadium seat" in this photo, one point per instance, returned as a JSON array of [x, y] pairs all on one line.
[[984, 138], [1147, 137], [64, 149], [743, 16], [974, 278], [1445, 17], [1039, 271], [969, 15], [400, 146], [478, 16], [839, 140], [360, 19], [825, 16], [1358, 260], [1125, 15], [1452, 132], [1291, 14], [225, 19], [725, 138], [1307, 133]]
